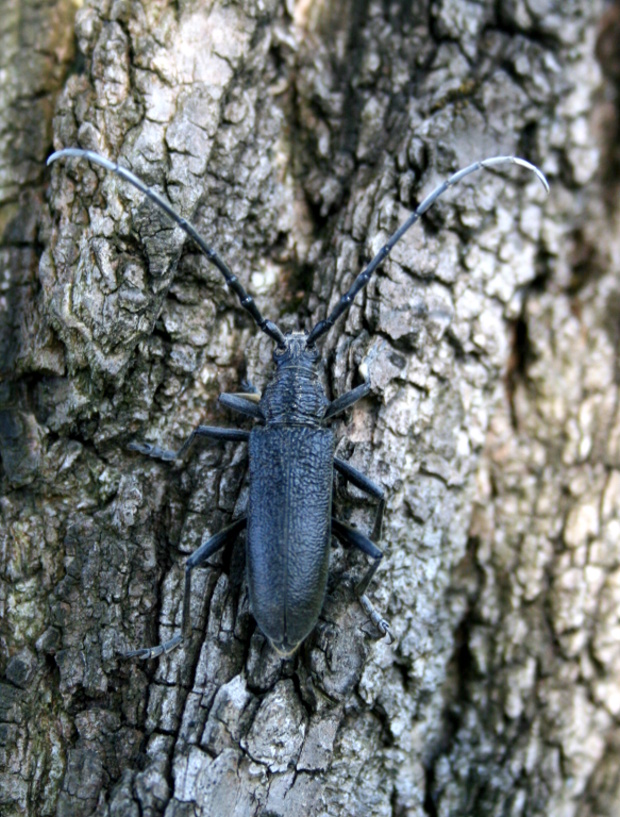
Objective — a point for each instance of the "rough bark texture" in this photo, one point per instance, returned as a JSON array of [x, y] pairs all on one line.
[[297, 138]]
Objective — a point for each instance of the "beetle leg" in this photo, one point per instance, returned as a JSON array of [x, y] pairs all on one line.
[[198, 557], [243, 404], [154, 652], [365, 484], [248, 388], [351, 397], [214, 433], [250, 396], [248, 392], [346, 400], [351, 536]]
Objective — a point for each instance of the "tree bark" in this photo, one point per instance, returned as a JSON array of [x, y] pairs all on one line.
[[297, 138]]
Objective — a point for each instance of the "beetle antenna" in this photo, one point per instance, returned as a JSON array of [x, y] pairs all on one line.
[[364, 277], [246, 300]]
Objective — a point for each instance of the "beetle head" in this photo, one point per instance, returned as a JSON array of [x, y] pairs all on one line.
[[296, 351]]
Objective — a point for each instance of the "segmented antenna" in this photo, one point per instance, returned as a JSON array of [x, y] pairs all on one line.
[[363, 278], [246, 300]]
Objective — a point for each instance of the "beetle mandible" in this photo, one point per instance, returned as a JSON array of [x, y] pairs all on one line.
[[291, 454]]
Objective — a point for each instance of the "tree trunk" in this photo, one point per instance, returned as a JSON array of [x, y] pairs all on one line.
[[297, 139]]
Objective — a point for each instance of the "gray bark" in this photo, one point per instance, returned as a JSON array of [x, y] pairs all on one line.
[[297, 139]]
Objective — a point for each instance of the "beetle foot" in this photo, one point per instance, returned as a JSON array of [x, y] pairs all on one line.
[[369, 359], [380, 623], [384, 627], [152, 451], [146, 653], [248, 387]]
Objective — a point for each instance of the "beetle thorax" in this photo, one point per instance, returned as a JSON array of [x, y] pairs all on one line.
[[294, 394]]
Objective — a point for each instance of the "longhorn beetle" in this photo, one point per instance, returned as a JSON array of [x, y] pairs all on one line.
[[291, 455]]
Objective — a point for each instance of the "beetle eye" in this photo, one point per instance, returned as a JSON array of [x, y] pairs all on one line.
[[279, 351]]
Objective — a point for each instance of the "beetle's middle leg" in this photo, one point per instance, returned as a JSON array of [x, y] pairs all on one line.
[[351, 536], [213, 432], [365, 484], [198, 557]]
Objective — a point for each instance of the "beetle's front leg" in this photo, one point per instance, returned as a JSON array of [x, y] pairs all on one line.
[[214, 433], [245, 403], [347, 400], [198, 557]]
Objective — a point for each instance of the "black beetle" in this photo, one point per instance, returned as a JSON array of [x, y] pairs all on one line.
[[291, 456]]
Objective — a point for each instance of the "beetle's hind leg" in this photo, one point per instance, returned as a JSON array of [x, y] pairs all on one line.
[[198, 557], [214, 433], [351, 536], [154, 652]]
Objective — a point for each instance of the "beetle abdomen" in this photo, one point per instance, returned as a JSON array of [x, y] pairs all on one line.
[[289, 529]]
